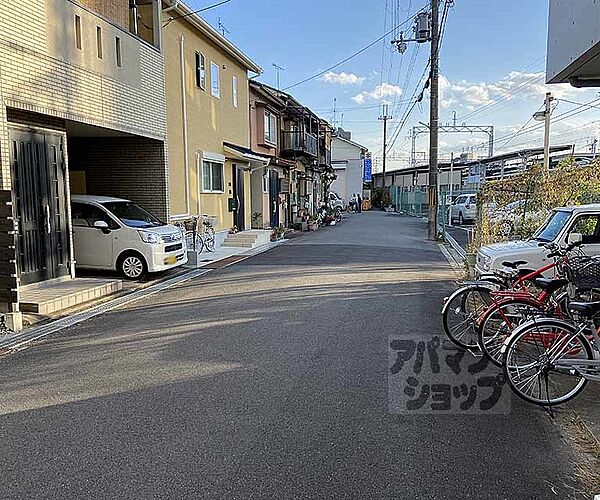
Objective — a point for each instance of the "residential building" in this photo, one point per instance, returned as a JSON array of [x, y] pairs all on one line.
[[270, 186], [574, 43], [210, 161], [82, 110], [347, 158], [298, 144], [305, 139]]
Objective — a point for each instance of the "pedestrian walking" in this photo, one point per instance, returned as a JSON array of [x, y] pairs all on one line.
[[359, 203]]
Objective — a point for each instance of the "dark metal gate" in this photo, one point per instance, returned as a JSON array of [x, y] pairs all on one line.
[[38, 172], [239, 217], [274, 197]]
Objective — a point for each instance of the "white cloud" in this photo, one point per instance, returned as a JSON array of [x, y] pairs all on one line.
[[516, 85], [378, 93], [343, 78]]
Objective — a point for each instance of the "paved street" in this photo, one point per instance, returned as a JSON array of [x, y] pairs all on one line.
[[266, 379]]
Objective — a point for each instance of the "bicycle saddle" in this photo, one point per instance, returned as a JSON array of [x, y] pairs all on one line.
[[515, 264], [588, 309], [551, 285]]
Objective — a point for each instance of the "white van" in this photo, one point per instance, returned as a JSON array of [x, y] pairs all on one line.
[[112, 233]]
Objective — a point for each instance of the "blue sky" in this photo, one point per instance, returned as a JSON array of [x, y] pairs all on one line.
[[492, 64]]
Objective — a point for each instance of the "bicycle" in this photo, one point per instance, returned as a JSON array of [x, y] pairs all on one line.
[[470, 301], [515, 307], [199, 233], [549, 361]]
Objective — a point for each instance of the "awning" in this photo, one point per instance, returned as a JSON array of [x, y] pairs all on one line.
[[235, 152]]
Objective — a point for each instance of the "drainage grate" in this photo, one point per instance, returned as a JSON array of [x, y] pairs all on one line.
[[16, 341]]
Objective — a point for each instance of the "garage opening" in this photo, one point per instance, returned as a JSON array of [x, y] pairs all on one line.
[[105, 162]]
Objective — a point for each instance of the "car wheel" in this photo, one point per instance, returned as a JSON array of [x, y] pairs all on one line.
[[461, 219], [132, 266]]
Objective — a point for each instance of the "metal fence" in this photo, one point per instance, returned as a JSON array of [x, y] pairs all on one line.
[[410, 200]]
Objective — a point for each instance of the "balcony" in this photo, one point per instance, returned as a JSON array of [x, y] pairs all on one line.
[[298, 142], [324, 155]]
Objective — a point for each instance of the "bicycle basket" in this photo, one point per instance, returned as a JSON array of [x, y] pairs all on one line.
[[583, 272]]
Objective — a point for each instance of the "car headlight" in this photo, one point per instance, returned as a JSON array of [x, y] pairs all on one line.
[[149, 237]]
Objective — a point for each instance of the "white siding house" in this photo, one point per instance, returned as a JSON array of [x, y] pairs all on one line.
[[347, 158]]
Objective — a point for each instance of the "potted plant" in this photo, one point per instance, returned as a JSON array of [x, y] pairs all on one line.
[[312, 224], [278, 233]]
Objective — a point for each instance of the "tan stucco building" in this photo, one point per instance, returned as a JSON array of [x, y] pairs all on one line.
[[207, 121]]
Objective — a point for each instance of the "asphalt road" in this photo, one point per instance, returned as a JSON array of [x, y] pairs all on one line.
[[267, 379]]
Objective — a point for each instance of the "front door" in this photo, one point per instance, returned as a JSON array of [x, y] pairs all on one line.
[[239, 215], [274, 197], [38, 173]]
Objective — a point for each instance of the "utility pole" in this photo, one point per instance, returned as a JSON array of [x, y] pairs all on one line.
[[433, 121], [445, 207], [384, 117], [547, 117]]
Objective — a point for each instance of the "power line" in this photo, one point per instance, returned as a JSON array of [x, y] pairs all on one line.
[[563, 116], [195, 12], [358, 52]]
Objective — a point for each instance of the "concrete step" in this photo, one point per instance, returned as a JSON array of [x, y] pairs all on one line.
[[247, 239], [51, 297], [242, 236], [237, 244]]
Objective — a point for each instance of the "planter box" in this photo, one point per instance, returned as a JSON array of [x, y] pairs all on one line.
[[304, 226]]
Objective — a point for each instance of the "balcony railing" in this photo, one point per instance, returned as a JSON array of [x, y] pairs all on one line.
[[299, 142], [324, 157]]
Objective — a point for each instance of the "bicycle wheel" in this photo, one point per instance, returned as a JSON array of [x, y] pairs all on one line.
[[530, 362], [209, 238], [498, 323], [193, 241], [461, 313]]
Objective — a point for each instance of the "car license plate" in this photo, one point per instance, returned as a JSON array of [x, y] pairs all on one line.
[[171, 260]]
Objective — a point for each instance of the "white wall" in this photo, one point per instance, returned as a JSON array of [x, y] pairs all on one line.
[[339, 185], [343, 151], [573, 40]]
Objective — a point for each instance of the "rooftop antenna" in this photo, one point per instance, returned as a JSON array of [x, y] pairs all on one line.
[[279, 69], [223, 29]]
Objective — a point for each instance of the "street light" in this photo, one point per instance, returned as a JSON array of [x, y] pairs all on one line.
[[544, 116]]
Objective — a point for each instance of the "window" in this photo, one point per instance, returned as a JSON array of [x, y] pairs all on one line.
[[133, 215], [118, 51], [270, 128], [84, 215], [554, 225], [99, 41], [234, 90], [200, 71], [589, 227], [212, 177], [78, 32], [215, 82]]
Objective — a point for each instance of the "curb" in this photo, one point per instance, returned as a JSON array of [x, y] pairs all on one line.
[[21, 340]]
